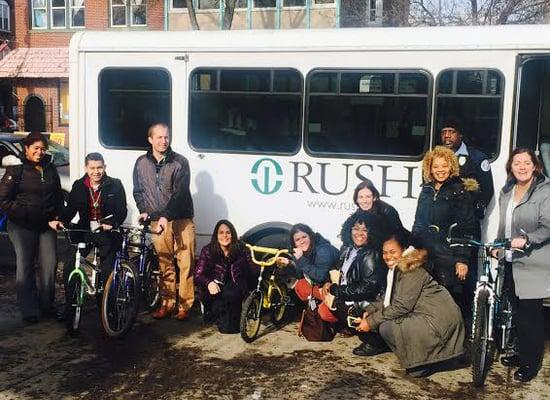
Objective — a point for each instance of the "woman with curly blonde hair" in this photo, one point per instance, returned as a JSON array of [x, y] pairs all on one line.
[[445, 202], [416, 317]]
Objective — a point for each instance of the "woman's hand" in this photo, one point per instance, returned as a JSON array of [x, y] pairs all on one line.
[[518, 243], [282, 261], [56, 225], [461, 270], [213, 288], [325, 289], [363, 326], [298, 252]]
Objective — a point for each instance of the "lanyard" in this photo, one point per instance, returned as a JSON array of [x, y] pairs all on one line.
[[95, 200]]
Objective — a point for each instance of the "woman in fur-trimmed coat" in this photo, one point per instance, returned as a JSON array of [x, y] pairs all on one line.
[[416, 317]]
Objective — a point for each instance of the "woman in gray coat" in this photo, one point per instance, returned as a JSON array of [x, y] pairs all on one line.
[[525, 219], [417, 318]]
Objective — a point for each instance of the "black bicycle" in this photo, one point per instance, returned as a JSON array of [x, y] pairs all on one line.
[[134, 282], [492, 309]]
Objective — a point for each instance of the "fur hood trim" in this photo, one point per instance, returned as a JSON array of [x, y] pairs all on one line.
[[470, 184], [412, 259]]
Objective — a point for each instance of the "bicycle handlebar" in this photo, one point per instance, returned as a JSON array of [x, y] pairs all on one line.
[[275, 253]]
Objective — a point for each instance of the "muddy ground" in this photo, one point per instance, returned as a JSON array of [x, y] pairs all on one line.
[[190, 360]]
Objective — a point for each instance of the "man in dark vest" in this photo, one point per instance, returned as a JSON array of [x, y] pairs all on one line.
[[473, 164]]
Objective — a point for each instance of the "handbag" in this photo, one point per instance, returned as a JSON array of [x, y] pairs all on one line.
[[312, 327]]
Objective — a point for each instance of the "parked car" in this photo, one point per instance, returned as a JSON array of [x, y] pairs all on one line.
[[11, 149]]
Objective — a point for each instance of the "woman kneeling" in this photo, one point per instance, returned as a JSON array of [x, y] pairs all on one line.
[[417, 318], [221, 274]]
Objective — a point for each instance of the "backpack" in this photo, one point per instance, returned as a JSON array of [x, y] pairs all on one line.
[[3, 215], [313, 328]]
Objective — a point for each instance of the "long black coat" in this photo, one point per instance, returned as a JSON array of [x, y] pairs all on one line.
[[436, 211], [113, 203]]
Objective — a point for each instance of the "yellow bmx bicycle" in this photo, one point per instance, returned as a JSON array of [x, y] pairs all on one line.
[[270, 294]]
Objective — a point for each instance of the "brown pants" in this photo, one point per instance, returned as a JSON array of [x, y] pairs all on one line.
[[178, 240]]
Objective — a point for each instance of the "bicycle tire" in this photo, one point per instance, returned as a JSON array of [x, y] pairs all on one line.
[[278, 305], [505, 322], [482, 345], [151, 284], [251, 317], [120, 297], [73, 308]]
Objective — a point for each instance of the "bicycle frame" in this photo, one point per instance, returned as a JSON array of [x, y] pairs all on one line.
[[89, 286]]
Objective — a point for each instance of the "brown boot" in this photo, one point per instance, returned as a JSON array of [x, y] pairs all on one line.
[[162, 312]]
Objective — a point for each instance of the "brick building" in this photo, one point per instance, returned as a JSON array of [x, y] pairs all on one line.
[[36, 69]]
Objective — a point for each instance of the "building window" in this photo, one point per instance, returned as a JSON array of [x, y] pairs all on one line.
[[360, 112], [209, 4], [179, 4], [294, 3], [128, 13], [54, 14], [64, 103], [130, 100], [245, 110], [77, 13], [4, 16], [265, 3], [474, 97]]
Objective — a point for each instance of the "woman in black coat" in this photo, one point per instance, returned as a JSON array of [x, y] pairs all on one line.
[[360, 276], [444, 202], [30, 194], [221, 277], [367, 199]]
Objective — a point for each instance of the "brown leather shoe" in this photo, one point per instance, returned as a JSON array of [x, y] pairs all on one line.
[[182, 314], [162, 312]]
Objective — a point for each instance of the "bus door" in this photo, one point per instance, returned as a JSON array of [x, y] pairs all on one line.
[[532, 116]]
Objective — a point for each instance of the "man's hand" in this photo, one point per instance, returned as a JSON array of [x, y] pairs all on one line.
[[143, 217], [56, 225], [106, 227], [162, 224]]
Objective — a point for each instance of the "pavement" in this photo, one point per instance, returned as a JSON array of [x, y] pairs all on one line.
[[170, 359]]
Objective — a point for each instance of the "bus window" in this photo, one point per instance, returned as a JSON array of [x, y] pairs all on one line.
[[355, 113], [474, 97], [245, 110], [131, 99]]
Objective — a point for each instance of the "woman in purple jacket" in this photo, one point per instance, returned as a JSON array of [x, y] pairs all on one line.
[[221, 275]]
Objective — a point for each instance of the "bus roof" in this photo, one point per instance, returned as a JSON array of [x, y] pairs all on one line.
[[504, 37]]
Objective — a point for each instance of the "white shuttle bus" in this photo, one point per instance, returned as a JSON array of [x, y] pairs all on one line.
[[280, 126]]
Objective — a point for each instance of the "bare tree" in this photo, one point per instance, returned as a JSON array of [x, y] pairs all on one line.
[[228, 12], [396, 12], [477, 12]]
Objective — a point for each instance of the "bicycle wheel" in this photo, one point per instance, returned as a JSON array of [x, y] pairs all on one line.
[[251, 316], [119, 306], [505, 338], [483, 345], [73, 308], [151, 284], [278, 305]]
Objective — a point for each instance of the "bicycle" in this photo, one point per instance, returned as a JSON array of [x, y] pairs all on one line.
[[83, 280], [492, 309], [135, 281], [269, 295]]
